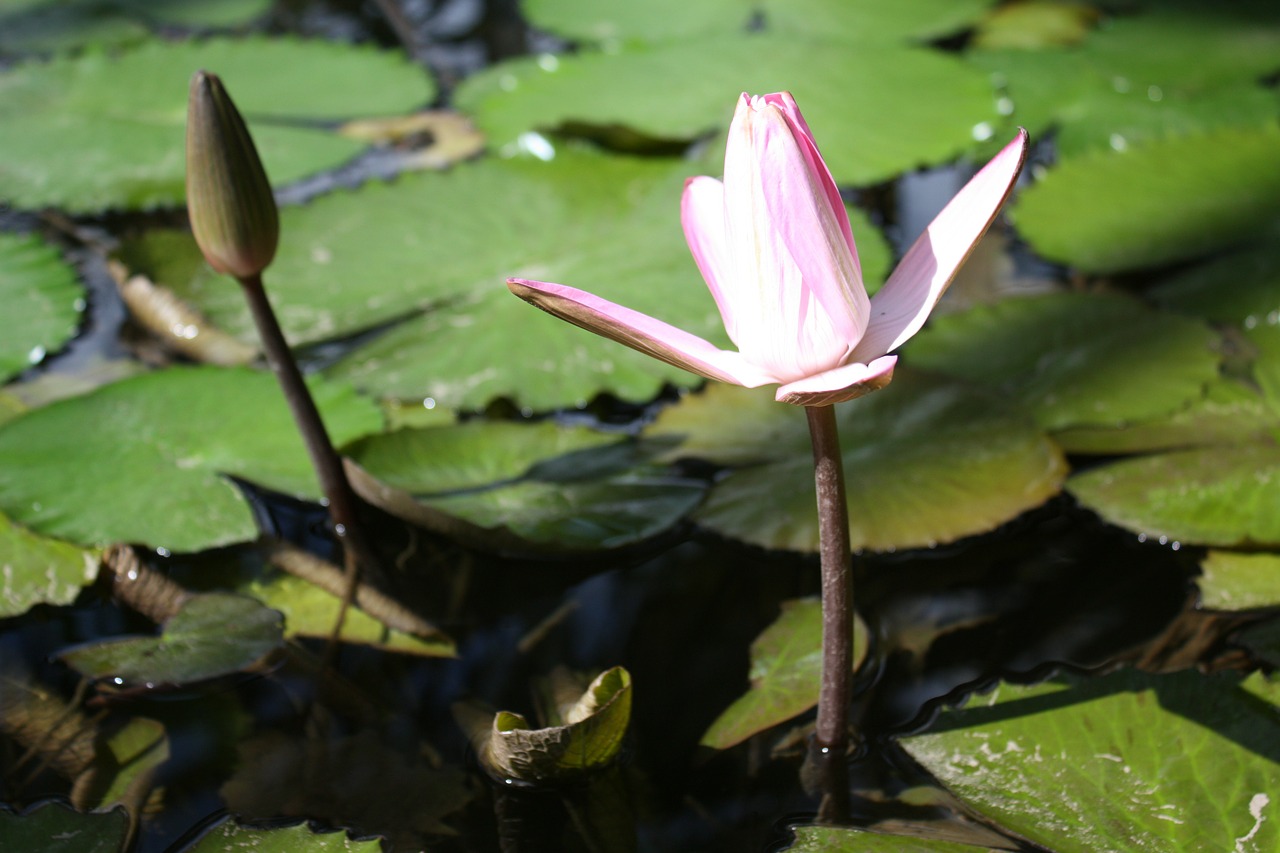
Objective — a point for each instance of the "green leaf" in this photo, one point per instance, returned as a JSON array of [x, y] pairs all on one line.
[[43, 302], [1225, 496], [927, 460], [1159, 202], [1124, 762], [1231, 580], [522, 488], [54, 828], [144, 460], [1240, 287], [833, 839], [929, 107], [229, 837], [135, 753], [99, 131], [211, 635], [786, 673], [863, 20], [1075, 359], [39, 570]]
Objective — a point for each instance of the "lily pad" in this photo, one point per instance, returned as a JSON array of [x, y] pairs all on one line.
[[1231, 580], [42, 298], [830, 839], [1241, 287], [434, 251], [927, 460], [864, 20], [1075, 359], [1128, 761], [99, 131], [522, 488], [54, 828], [1224, 496], [37, 570], [786, 674], [211, 635], [931, 107], [127, 772], [227, 836], [1107, 211], [145, 459]]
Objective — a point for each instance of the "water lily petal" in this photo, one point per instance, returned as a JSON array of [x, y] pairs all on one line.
[[900, 308], [640, 332], [842, 383], [702, 217]]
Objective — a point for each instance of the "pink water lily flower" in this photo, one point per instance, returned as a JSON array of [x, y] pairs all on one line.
[[774, 245]]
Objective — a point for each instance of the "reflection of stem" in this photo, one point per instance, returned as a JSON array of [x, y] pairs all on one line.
[[832, 734], [324, 459]]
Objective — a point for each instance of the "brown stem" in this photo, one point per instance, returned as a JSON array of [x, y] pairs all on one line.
[[832, 733]]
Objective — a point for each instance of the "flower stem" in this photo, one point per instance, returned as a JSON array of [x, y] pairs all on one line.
[[343, 506], [832, 734]]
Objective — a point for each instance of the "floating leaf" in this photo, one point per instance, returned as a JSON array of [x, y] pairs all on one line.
[[37, 570], [213, 634], [227, 836], [1225, 496], [98, 131], [1239, 287], [1234, 581], [786, 673], [933, 106], [927, 460], [1108, 211], [831, 839], [1075, 359], [1034, 24], [42, 302], [54, 828], [1173, 762], [144, 460], [589, 738], [520, 488]]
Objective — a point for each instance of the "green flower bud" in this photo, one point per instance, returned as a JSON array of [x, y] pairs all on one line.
[[232, 210]]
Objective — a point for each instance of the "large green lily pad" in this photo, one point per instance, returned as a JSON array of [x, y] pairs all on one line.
[[927, 460], [54, 828], [786, 674], [37, 570], [444, 245], [1232, 580], [42, 298], [928, 107], [145, 460], [99, 131], [211, 635], [1224, 496], [1128, 761], [227, 836], [1075, 359], [1104, 211]]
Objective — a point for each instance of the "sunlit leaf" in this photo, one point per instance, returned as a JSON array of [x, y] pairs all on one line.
[[54, 828], [99, 131], [927, 460], [213, 634], [1033, 24], [786, 673], [1123, 762], [1231, 580], [145, 460], [42, 302], [39, 570], [227, 836]]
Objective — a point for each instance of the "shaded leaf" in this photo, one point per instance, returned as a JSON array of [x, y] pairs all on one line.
[[42, 302], [1241, 287], [39, 570], [227, 836], [54, 828], [831, 839]]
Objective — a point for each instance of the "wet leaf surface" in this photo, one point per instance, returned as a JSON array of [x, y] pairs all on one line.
[[43, 302]]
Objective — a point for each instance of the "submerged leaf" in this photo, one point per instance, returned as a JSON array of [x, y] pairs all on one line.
[[227, 836]]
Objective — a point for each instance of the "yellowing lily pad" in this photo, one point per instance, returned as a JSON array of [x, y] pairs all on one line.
[[1231, 580]]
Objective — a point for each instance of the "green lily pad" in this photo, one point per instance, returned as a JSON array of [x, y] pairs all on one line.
[[145, 459], [1106, 211], [98, 131], [211, 635], [42, 298], [521, 488], [930, 107], [831, 839], [1225, 496], [1033, 25], [786, 673], [927, 460], [37, 570], [437, 248], [1128, 761], [1075, 359], [54, 828], [1240, 287], [1266, 364], [864, 20], [227, 836], [1231, 580]]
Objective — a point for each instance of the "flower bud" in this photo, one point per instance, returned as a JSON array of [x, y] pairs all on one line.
[[229, 200]]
